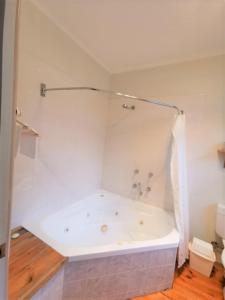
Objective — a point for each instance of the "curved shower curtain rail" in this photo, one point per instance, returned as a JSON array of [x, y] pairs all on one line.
[[44, 90]]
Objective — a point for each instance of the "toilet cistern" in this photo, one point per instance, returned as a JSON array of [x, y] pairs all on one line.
[[220, 227]]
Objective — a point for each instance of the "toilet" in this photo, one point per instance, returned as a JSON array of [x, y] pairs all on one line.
[[220, 227], [220, 230]]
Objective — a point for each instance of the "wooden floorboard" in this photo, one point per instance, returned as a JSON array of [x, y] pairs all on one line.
[[32, 263], [191, 285]]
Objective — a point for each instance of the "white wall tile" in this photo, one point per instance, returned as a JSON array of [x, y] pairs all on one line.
[[139, 139], [69, 153], [53, 289]]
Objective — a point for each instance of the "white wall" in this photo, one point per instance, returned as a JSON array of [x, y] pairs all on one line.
[[140, 138], [137, 139], [67, 164]]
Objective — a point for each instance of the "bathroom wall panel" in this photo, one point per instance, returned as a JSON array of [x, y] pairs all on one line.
[[65, 163], [139, 139]]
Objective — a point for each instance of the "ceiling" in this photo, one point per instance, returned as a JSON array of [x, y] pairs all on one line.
[[125, 35]]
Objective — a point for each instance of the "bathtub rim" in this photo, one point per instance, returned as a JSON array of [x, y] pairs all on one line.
[[136, 247], [170, 240]]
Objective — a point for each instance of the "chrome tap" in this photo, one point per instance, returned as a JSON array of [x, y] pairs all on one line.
[[138, 186], [148, 189]]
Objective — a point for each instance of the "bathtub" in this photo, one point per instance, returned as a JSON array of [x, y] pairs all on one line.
[[117, 248], [105, 224]]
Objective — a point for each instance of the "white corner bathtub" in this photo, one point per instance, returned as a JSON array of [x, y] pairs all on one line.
[[106, 224]]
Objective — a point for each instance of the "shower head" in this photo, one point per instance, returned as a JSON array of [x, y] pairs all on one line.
[[131, 107]]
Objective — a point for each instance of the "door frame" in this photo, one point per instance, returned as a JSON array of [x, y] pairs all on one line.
[[7, 129]]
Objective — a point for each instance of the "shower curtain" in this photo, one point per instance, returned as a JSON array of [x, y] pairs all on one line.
[[178, 173]]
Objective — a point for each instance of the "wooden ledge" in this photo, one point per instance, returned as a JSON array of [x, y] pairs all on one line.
[[32, 263]]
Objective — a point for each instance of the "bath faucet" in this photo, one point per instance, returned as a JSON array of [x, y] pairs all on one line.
[[148, 189], [138, 187], [134, 186], [150, 175]]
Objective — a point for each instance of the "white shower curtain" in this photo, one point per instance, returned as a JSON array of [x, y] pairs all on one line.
[[178, 172]]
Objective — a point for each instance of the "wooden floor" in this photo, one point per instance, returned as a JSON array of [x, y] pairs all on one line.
[[191, 285]]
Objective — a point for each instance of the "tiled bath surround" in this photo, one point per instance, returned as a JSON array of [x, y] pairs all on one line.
[[119, 277], [53, 289]]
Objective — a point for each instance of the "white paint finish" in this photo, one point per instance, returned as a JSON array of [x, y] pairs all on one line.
[[198, 88], [68, 156], [131, 226], [6, 133], [7, 116], [125, 35], [53, 289]]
